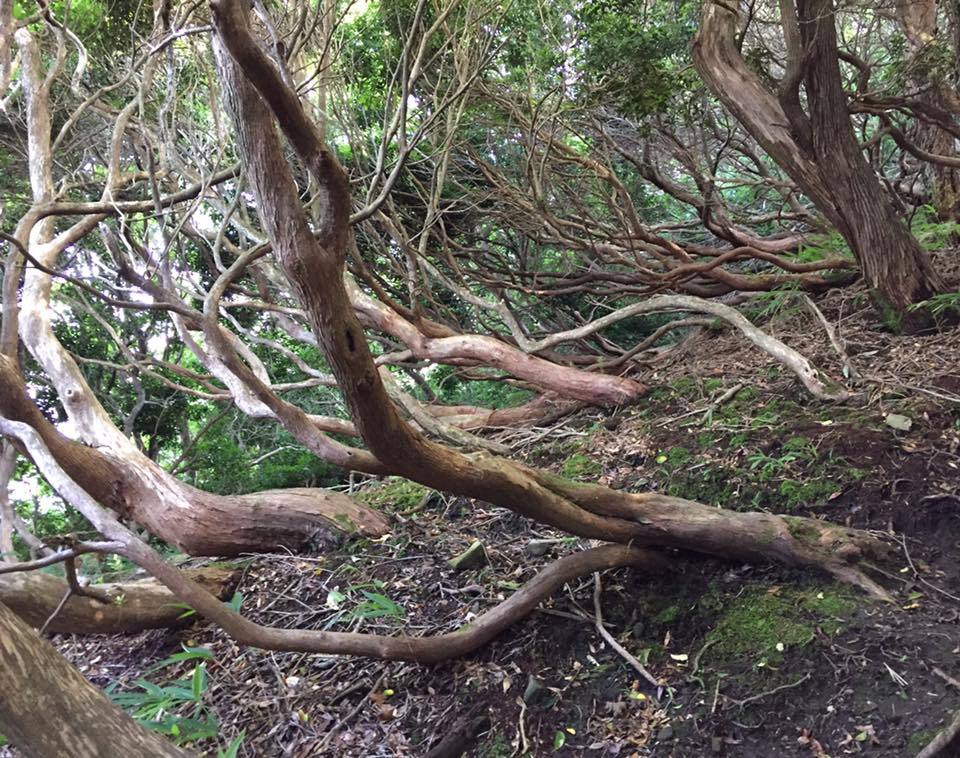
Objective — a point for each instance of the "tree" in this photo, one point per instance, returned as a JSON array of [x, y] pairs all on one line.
[[41, 689], [817, 147], [425, 209]]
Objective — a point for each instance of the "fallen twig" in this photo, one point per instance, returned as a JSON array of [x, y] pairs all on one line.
[[617, 647], [946, 743], [768, 693]]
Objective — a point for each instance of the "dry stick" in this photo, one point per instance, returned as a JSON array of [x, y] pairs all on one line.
[[768, 693], [834, 338], [63, 555], [617, 647], [916, 573], [56, 611], [947, 678]]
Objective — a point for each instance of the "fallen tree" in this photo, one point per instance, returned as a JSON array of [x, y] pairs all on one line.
[[50, 603], [313, 260]]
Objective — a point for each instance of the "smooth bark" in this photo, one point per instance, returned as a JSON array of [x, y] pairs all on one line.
[[48, 709], [118, 608]]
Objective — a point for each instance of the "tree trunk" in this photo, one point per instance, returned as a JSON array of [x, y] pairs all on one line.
[[819, 150], [891, 258], [196, 522], [48, 710], [919, 20], [125, 608], [109, 465]]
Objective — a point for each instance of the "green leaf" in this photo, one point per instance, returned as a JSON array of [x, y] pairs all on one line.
[[199, 682], [235, 602], [232, 749], [559, 740]]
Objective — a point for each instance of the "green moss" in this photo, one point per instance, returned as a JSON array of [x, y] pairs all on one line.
[[496, 746], [759, 625], [796, 493], [919, 740], [668, 615], [345, 522], [579, 466], [712, 385], [394, 494], [686, 386], [802, 529], [832, 606], [706, 439]]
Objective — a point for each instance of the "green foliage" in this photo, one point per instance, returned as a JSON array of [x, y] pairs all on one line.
[[176, 709], [947, 304], [375, 605], [930, 231], [793, 450], [637, 55], [451, 389]]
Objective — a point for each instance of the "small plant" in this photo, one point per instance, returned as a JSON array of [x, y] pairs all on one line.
[[940, 305], [579, 466], [375, 604], [770, 465], [175, 709]]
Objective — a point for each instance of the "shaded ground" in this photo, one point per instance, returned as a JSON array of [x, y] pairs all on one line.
[[756, 661]]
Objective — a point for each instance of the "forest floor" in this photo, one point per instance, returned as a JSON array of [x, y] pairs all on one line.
[[754, 660]]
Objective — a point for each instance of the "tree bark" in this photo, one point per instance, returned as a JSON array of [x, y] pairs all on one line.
[[827, 163], [8, 462], [195, 521], [48, 710], [109, 465], [125, 608]]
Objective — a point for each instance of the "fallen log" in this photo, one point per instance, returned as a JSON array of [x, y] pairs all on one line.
[[125, 608]]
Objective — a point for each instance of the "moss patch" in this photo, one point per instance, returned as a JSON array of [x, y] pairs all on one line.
[[579, 466], [761, 626], [394, 494]]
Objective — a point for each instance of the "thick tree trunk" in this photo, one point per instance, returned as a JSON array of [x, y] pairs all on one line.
[[48, 710], [819, 150], [196, 522], [890, 256], [119, 608]]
